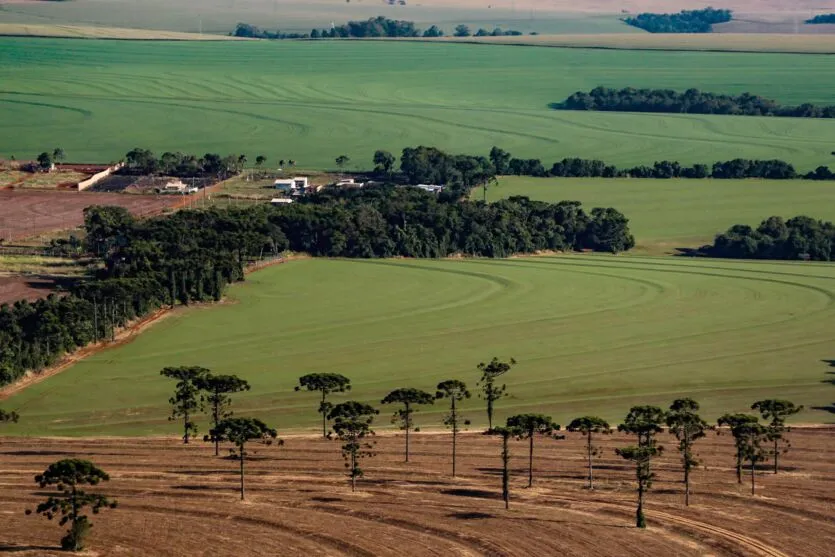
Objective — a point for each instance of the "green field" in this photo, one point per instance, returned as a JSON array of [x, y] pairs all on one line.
[[668, 214], [312, 101], [591, 333]]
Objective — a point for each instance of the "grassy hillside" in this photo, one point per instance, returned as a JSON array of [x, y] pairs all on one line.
[[593, 334], [312, 101], [666, 214]]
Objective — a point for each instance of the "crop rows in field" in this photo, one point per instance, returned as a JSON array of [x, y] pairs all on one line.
[[313, 101], [592, 335]]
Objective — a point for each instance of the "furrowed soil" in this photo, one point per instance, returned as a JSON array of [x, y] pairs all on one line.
[[182, 500], [28, 214]]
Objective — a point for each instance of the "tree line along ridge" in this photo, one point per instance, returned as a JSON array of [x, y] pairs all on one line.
[[685, 21], [691, 101], [197, 390]]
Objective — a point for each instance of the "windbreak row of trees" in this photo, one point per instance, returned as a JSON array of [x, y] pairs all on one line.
[[191, 256], [686, 21], [797, 238], [144, 162], [374, 27], [691, 101], [821, 18]]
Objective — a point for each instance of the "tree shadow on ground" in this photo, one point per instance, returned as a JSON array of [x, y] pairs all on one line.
[[478, 493], [830, 408], [326, 499], [689, 252], [6, 548], [470, 516]]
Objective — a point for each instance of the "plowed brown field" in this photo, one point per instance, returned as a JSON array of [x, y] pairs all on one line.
[[27, 214], [181, 500]]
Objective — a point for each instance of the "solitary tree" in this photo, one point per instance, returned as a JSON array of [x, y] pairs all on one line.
[[644, 422], [352, 425], [408, 398], [500, 159], [776, 411], [528, 426], [260, 160], [490, 391], [384, 162], [588, 425], [455, 391], [281, 164], [753, 436], [325, 383], [67, 475], [58, 154], [506, 433], [186, 400], [688, 427], [240, 431], [9, 416], [217, 389], [45, 161], [342, 160], [462, 31], [735, 422]]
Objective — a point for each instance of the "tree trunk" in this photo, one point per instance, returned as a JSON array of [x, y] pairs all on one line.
[[242, 472], [530, 461], [353, 470], [640, 520], [408, 427], [454, 434], [591, 473], [752, 476], [505, 473], [739, 465], [324, 417], [489, 411], [185, 428], [216, 416], [686, 485], [775, 455]]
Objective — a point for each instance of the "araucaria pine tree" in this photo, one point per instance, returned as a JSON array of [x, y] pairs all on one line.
[[455, 391], [403, 416], [775, 411], [685, 423], [490, 390], [588, 425], [186, 400], [734, 422], [352, 425], [644, 422], [216, 390], [506, 433], [239, 432], [8, 417], [67, 476], [325, 383], [753, 436], [529, 426]]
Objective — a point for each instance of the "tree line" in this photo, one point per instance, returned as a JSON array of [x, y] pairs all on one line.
[[192, 255], [351, 422], [800, 237], [686, 21], [821, 18], [374, 27], [144, 162], [691, 101]]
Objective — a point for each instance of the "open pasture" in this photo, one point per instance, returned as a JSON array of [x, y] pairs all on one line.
[[669, 214], [593, 334], [181, 500], [314, 101]]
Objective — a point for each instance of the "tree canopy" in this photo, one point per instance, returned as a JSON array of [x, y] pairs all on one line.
[[239, 432], [352, 422], [800, 237], [686, 21], [408, 397]]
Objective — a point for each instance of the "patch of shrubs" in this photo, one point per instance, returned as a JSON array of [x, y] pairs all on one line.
[[691, 101], [822, 18], [799, 238], [686, 21]]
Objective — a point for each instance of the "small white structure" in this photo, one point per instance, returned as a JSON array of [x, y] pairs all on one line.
[[431, 188], [295, 185], [280, 201], [349, 183], [301, 182], [175, 186]]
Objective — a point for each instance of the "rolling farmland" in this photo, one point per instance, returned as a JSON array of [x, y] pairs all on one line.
[[593, 334], [668, 214], [313, 101]]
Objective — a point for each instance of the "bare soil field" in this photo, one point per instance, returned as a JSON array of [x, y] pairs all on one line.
[[27, 214], [182, 500], [19, 287]]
